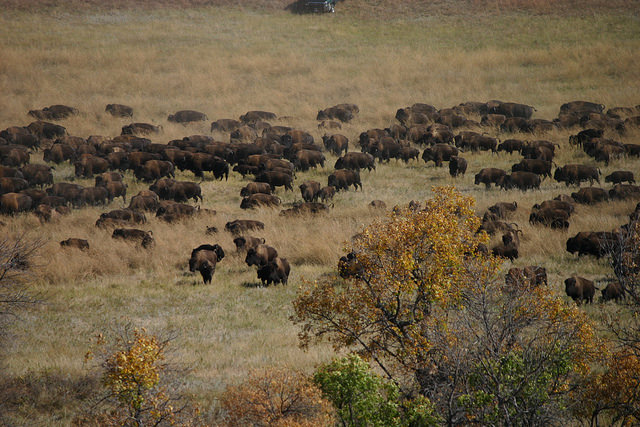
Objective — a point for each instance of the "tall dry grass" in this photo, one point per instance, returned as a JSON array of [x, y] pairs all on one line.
[[228, 60]]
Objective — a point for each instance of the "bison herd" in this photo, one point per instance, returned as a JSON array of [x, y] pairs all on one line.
[[273, 155]]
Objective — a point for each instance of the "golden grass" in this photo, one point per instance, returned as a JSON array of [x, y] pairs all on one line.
[[225, 61]]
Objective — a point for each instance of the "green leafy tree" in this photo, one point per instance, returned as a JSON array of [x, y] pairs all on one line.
[[363, 398]]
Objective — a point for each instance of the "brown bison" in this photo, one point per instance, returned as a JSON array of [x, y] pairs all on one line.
[[261, 255], [260, 200], [187, 116], [204, 259], [276, 271], [336, 143], [119, 110], [73, 242], [54, 112], [529, 277], [618, 177], [575, 174], [244, 243], [143, 238], [579, 289], [487, 176], [356, 161], [342, 179], [255, 187], [12, 203], [239, 226], [613, 291], [590, 195], [457, 166]]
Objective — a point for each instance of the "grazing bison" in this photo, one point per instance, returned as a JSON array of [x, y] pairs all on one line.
[[310, 191], [342, 112], [327, 193], [501, 209], [53, 112], [593, 243], [244, 243], [260, 255], [554, 218], [457, 166], [260, 200], [509, 251], [12, 185], [511, 109], [88, 165], [511, 145], [336, 143], [537, 166], [356, 161], [153, 170], [187, 116], [225, 125], [618, 177], [306, 208], [521, 180], [590, 195], [239, 226], [575, 174], [141, 129], [73, 242], [204, 259], [257, 116], [119, 110], [487, 176], [439, 153], [276, 271], [37, 174], [530, 277], [12, 203], [624, 191], [145, 201], [95, 195], [581, 107], [255, 187], [128, 215], [143, 238], [175, 212], [579, 289], [613, 291], [276, 179], [342, 179], [303, 160]]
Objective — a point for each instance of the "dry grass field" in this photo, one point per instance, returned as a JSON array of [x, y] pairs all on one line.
[[225, 58]]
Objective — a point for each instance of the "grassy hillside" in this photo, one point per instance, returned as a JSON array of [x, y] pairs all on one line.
[[225, 59]]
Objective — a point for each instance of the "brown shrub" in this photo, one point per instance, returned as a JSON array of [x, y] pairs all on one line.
[[276, 397]]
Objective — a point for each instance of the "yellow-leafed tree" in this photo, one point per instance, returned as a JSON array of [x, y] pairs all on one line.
[[429, 307]]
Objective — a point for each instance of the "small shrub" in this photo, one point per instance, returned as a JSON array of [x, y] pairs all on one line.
[[276, 397]]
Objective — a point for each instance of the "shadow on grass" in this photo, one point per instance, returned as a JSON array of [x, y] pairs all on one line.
[[43, 395], [252, 285]]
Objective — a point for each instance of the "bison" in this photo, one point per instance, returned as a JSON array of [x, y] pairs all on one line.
[[487, 176], [276, 271], [342, 179], [204, 259], [73, 242], [143, 238], [579, 289], [261, 255]]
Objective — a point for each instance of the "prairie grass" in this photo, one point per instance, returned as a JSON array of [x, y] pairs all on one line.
[[229, 59]]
